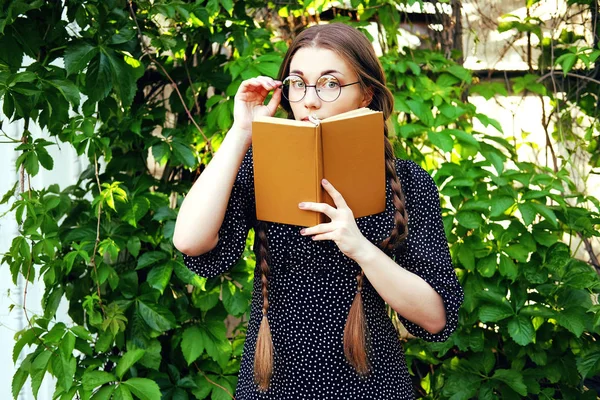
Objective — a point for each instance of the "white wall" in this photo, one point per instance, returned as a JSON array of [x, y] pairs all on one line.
[[67, 167]]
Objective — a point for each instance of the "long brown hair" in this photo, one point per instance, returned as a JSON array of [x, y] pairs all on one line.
[[355, 49]]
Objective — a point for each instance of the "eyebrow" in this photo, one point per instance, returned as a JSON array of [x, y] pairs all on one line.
[[328, 71]]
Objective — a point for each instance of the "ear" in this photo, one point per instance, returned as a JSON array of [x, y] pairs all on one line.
[[367, 97]]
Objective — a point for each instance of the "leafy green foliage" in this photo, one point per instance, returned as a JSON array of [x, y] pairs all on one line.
[[144, 326]]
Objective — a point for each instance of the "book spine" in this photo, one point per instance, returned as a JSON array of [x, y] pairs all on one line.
[[319, 160]]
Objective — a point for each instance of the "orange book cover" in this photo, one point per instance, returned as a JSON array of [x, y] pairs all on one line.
[[291, 157]]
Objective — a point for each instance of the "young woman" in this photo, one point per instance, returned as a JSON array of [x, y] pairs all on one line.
[[318, 325]]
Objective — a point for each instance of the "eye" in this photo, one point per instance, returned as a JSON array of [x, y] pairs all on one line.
[[294, 82], [328, 82]]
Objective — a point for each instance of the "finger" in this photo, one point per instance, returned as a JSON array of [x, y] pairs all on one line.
[[268, 82], [255, 85], [318, 207], [337, 197], [317, 229], [274, 102], [323, 236]]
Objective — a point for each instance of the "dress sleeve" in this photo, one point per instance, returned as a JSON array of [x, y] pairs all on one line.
[[239, 217], [425, 251]]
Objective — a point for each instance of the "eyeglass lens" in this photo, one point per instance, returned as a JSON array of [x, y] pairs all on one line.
[[327, 87]]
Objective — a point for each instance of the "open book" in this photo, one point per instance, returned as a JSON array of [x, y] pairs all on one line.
[[292, 157]]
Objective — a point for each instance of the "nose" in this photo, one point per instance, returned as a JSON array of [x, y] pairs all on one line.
[[311, 100]]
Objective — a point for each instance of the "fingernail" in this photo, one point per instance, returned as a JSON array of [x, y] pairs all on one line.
[[301, 205], [302, 231], [325, 182]]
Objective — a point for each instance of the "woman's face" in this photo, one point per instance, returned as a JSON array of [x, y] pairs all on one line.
[[311, 63]]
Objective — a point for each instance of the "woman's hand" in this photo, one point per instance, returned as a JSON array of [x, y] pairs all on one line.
[[342, 229], [249, 102]]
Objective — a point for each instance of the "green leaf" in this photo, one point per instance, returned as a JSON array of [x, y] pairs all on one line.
[[268, 69], [517, 251], [188, 277], [124, 75], [30, 162], [104, 393], [512, 378], [152, 357], [27, 338], [98, 78], [67, 344], [469, 219], [466, 257], [81, 332], [134, 245], [18, 381], [572, 320], [461, 73], [442, 140], [589, 364], [422, 111], [122, 393], [215, 341], [492, 313], [156, 316], [500, 204], [521, 330], [224, 390], [236, 301], [69, 90], [91, 379], [192, 345], [64, 368], [566, 61], [184, 154], [546, 212], [38, 370], [161, 152], [150, 258], [537, 310], [486, 121], [127, 361], [77, 56], [508, 268], [159, 277], [137, 208], [487, 266], [143, 388], [464, 137]]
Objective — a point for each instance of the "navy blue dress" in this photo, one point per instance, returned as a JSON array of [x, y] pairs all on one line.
[[312, 285]]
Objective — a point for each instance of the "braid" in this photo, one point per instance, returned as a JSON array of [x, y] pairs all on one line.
[[400, 231], [356, 332], [263, 356]]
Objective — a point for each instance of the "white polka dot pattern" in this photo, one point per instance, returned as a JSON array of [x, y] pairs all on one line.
[[311, 288]]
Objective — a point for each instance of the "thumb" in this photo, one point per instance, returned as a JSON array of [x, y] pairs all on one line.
[[274, 102]]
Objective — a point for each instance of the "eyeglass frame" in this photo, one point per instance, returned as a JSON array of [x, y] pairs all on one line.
[[306, 86]]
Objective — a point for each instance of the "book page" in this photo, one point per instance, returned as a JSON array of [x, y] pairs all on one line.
[[350, 114], [354, 161]]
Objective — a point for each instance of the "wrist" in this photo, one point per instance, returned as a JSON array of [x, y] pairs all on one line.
[[366, 253], [240, 135]]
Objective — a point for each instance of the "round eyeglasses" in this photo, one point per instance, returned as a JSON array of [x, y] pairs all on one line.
[[328, 88]]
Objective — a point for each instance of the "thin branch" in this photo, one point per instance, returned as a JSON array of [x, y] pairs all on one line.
[[187, 72], [175, 86], [212, 382], [93, 259], [551, 73]]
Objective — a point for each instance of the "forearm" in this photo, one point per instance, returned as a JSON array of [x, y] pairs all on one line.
[[203, 209], [407, 293]]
